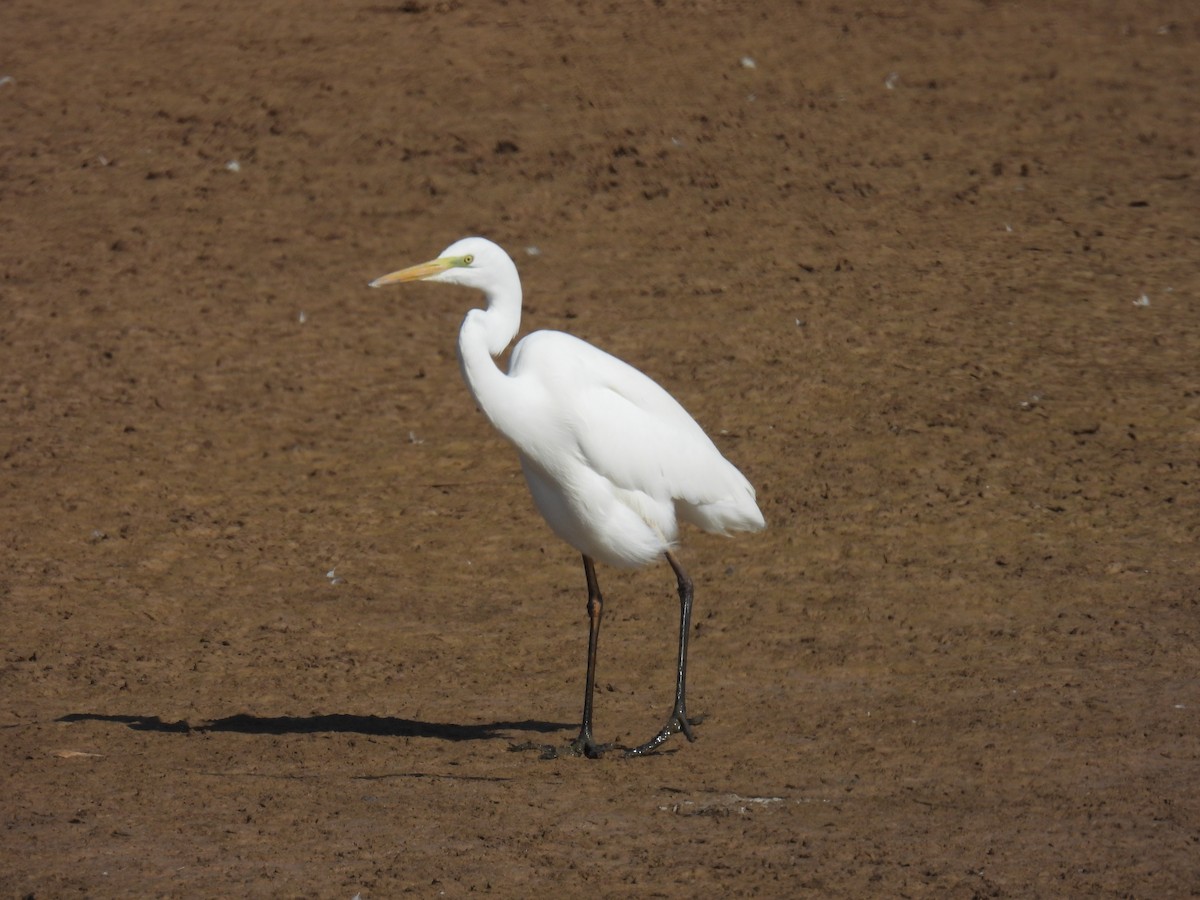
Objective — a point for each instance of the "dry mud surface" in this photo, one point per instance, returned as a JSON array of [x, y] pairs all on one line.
[[927, 273]]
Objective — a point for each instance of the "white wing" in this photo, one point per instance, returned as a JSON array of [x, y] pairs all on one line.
[[626, 428]]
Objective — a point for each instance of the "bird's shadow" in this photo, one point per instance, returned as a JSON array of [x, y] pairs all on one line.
[[338, 723]]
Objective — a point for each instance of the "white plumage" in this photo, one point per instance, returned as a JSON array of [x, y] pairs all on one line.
[[612, 460]]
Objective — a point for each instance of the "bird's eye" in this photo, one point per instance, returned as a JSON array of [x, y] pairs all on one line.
[[468, 259]]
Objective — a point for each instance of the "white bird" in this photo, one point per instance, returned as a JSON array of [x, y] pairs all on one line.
[[612, 460]]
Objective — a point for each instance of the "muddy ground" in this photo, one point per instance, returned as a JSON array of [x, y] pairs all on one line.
[[927, 273]]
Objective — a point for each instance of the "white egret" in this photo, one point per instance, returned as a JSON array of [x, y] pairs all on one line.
[[612, 460]]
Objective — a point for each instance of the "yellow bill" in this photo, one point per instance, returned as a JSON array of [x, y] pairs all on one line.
[[416, 273]]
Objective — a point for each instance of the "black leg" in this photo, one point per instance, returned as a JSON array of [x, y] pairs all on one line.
[[586, 743], [678, 720]]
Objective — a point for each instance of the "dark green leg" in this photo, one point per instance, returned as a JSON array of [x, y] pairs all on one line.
[[678, 720], [586, 743]]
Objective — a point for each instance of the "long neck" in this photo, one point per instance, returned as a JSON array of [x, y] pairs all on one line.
[[483, 336]]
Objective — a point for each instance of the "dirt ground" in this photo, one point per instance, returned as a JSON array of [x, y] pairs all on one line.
[[276, 603]]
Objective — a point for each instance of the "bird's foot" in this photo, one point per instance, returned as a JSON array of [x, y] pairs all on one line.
[[679, 721], [581, 746], [585, 745]]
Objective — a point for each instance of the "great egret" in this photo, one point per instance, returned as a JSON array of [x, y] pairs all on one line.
[[612, 460]]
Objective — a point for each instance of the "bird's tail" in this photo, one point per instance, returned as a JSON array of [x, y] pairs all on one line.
[[725, 516]]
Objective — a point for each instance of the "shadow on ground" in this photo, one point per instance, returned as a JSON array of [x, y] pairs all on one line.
[[383, 726]]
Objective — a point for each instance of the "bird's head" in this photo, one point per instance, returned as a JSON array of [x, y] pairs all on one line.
[[472, 262]]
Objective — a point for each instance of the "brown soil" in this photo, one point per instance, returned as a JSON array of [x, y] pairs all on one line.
[[893, 261]]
